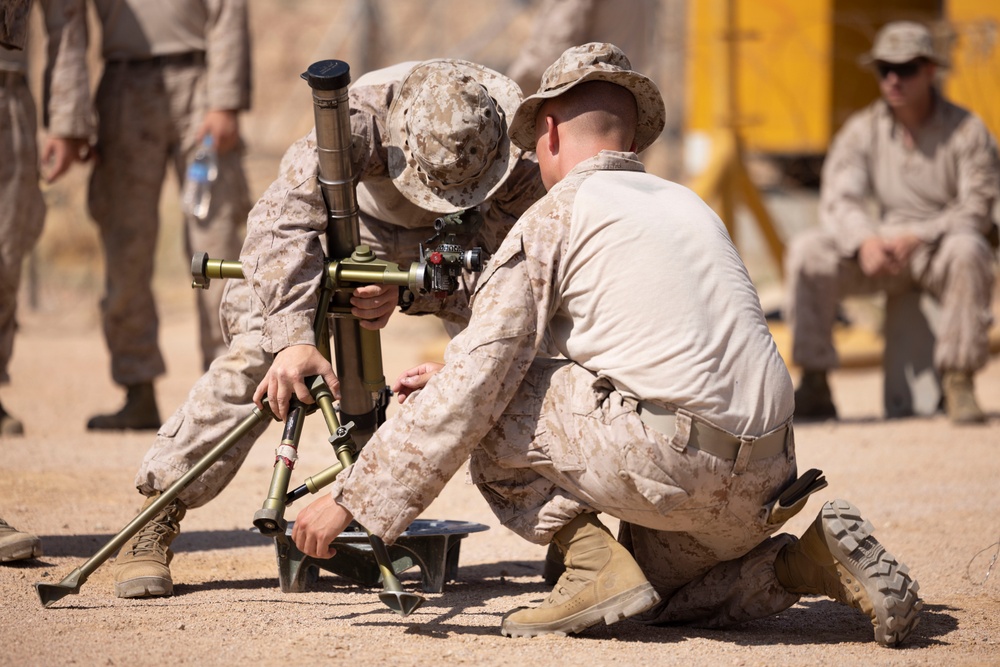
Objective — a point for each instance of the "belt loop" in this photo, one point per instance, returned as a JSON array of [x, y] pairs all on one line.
[[743, 456], [682, 431]]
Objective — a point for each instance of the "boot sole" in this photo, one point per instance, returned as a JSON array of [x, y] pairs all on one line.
[[619, 607], [144, 587], [24, 551], [893, 593]]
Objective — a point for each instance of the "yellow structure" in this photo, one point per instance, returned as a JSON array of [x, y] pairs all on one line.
[[796, 70], [974, 77]]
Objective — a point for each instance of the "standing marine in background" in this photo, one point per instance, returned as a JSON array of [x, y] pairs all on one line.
[[174, 72]]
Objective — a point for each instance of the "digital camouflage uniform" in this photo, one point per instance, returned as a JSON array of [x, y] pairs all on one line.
[[283, 258], [67, 112], [22, 208], [551, 438], [941, 189], [166, 62], [14, 15]]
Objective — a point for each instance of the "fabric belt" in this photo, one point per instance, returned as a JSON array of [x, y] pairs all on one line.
[[10, 78], [175, 59], [712, 440]]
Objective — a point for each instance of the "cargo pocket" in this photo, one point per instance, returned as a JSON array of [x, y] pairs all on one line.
[[172, 425], [644, 466]]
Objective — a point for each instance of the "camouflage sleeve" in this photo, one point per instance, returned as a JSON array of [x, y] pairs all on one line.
[[369, 106], [846, 185], [14, 23], [66, 96], [282, 254], [414, 454], [228, 55], [975, 154]]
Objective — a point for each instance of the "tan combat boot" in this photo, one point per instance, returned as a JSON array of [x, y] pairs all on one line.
[[9, 425], [601, 582], [960, 398], [813, 399], [838, 557], [15, 545], [142, 568], [139, 413]]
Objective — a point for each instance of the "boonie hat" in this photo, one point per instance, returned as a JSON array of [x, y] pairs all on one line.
[[448, 145], [596, 61], [901, 42]]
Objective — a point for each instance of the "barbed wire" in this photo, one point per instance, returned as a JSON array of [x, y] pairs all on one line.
[[989, 568]]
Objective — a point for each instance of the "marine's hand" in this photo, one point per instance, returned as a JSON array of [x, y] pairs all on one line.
[[901, 249], [318, 525], [373, 305], [415, 379], [224, 126], [59, 154], [873, 257], [287, 376]]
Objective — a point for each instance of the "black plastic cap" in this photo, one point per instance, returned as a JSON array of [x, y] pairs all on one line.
[[328, 75]]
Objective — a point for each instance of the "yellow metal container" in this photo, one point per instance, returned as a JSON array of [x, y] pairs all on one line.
[[796, 75]]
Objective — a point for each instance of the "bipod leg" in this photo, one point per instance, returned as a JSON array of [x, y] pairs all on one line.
[[270, 518], [392, 595], [50, 593]]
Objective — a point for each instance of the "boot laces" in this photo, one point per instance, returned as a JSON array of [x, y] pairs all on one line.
[[150, 539], [569, 585]]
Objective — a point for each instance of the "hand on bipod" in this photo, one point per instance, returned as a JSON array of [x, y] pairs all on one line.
[[411, 381], [287, 378]]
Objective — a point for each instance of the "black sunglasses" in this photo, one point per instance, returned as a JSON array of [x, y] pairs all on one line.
[[901, 70]]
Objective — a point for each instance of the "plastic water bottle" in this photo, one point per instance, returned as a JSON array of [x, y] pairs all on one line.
[[197, 194]]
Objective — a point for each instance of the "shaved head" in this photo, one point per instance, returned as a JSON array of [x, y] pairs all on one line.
[[597, 110]]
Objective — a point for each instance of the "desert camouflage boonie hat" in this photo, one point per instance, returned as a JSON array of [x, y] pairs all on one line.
[[901, 42], [596, 61], [448, 144]]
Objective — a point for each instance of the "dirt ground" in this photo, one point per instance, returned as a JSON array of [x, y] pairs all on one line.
[[929, 487]]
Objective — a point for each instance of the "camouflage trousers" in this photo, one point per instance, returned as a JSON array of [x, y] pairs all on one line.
[[149, 115], [957, 271], [218, 401], [223, 396], [22, 209], [569, 443]]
